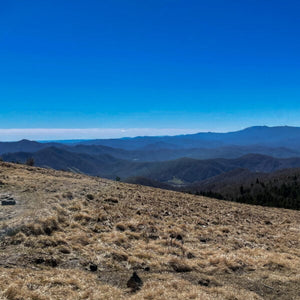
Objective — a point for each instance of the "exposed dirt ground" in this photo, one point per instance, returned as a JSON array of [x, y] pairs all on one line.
[[182, 246]]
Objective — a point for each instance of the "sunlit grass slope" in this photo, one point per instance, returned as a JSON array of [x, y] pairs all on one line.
[[182, 246]]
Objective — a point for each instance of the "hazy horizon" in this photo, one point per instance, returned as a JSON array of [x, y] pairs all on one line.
[[56, 134]]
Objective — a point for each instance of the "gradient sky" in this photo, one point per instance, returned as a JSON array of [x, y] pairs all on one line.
[[165, 64]]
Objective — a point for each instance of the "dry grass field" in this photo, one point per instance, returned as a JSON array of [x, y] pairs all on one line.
[[65, 226]]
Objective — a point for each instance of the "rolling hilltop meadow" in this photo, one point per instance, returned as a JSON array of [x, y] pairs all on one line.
[[71, 236]]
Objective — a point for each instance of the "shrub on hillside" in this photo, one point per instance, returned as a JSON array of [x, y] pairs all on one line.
[[30, 162]]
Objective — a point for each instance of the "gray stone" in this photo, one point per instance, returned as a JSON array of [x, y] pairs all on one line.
[[8, 202]]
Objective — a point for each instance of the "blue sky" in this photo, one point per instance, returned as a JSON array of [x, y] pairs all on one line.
[[137, 65]]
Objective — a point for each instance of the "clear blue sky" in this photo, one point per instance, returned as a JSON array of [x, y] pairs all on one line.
[[201, 65]]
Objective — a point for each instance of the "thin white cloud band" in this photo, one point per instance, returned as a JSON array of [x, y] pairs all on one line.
[[15, 134]]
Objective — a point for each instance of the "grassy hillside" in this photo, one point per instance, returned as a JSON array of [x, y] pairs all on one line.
[[64, 225]]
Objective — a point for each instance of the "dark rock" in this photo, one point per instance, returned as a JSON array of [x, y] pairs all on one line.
[[65, 250], [236, 268], [8, 202], [181, 268], [90, 197], [52, 262], [153, 237], [48, 230], [204, 282], [209, 282], [132, 228], [120, 227], [134, 282], [172, 235], [111, 200], [39, 261], [190, 255], [93, 268], [179, 238]]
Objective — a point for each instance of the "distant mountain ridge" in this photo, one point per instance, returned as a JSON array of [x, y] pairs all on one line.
[[280, 142], [253, 178], [280, 136], [149, 154], [255, 165], [183, 170], [202, 161], [25, 146]]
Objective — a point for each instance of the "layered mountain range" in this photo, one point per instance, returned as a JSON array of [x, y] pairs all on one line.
[[203, 162]]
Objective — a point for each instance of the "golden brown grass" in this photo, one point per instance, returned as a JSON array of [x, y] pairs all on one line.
[[63, 222]]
